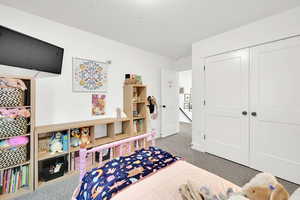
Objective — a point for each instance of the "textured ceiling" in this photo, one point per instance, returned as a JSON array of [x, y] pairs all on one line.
[[164, 27]]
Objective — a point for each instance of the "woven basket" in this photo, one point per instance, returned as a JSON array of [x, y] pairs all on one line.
[[14, 156], [10, 97], [15, 127]]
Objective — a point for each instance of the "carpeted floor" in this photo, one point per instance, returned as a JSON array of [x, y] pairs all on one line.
[[178, 144]]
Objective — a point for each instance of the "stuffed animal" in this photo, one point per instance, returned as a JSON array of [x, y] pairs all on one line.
[[56, 143], [75, 137], [15, 83], [264, 186], [238, 197], [85, 137]]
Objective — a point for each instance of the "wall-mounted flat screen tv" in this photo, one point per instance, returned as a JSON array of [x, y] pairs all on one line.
[[19, 50]]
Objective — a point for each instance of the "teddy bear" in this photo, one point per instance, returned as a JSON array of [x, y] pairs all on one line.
[[85, 137], [264, 186]]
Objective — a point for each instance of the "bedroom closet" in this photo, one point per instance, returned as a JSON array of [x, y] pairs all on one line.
[[252, 107]]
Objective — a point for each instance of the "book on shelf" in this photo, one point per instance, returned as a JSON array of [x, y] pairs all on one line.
[[75, 160], [12, 180], [138, 125]]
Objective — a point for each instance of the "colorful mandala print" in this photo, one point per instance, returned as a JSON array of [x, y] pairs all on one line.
[[90, 75], [102, 183]]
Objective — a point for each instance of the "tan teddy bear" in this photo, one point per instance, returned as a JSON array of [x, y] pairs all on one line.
[[264, 186]]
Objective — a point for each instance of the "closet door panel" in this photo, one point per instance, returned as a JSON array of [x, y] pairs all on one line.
[[226, 96], [275, 131]]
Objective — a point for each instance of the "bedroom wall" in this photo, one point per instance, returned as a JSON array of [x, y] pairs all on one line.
[[182, 64], [273, 28], [56, 103]]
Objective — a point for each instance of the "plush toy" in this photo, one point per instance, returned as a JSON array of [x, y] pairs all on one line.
[[238, 197], [56, 143], [15, 83], [75, 137], [264, 186], [17, 141], [85, 137]]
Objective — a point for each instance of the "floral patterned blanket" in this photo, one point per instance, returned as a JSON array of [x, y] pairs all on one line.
[[102, 183]]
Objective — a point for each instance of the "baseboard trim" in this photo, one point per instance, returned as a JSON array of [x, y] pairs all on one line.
[[197, 147]]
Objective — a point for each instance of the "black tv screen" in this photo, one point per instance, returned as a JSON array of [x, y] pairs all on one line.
[[19, 50]]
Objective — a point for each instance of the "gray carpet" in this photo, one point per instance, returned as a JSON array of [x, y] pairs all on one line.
[[178, 144]]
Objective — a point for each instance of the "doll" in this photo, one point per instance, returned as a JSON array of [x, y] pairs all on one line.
[[56, 143]]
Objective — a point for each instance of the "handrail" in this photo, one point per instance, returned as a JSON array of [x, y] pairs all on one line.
[[185, 114], [83, 152]]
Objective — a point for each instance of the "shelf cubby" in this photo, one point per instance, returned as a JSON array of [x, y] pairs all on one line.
[[101, 131], [29, 104]]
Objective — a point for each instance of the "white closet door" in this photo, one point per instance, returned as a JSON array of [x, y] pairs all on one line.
[[226, 96], [275, 98]]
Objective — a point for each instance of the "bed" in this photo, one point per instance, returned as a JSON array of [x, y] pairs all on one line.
[[154, 175]]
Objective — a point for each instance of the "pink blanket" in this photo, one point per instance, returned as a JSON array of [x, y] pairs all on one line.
[[164, 184]]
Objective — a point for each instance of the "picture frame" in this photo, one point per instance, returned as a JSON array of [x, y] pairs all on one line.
[[187, 98], [89, 76]]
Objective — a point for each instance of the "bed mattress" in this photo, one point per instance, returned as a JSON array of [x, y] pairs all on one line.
[[164, 184]]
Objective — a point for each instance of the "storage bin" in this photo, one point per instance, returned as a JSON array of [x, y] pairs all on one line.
[[13, 156], [13, 127], [48, 171], [10, 97]]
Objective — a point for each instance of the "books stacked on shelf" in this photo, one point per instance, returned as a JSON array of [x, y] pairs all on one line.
[[107, 154], [122, 150], [139, 144], [12, 180], [75, 160], [138, 126]]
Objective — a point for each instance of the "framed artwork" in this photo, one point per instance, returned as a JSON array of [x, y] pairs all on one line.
[[89, 75], [98, 104], [187, 98], [186, 106]]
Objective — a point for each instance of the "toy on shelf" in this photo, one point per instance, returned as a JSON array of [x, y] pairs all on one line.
[[133, 79], [56, 144], [12, 83], [75, 137], [85, 137], [14, 113], [14, 142]]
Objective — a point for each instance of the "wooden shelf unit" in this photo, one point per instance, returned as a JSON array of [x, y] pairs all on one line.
[[135, 99], [109, 137], [30, 105]]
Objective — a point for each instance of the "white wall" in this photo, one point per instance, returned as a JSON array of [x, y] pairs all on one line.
[[182, 64], [270, 29], [56, 103], [185, 81]]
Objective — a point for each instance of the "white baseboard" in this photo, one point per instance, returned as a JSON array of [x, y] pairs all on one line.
[[163, 136], [198, 147]]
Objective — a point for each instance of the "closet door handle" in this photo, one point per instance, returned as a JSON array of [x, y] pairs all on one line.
[[244, 113], [254, 114]]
